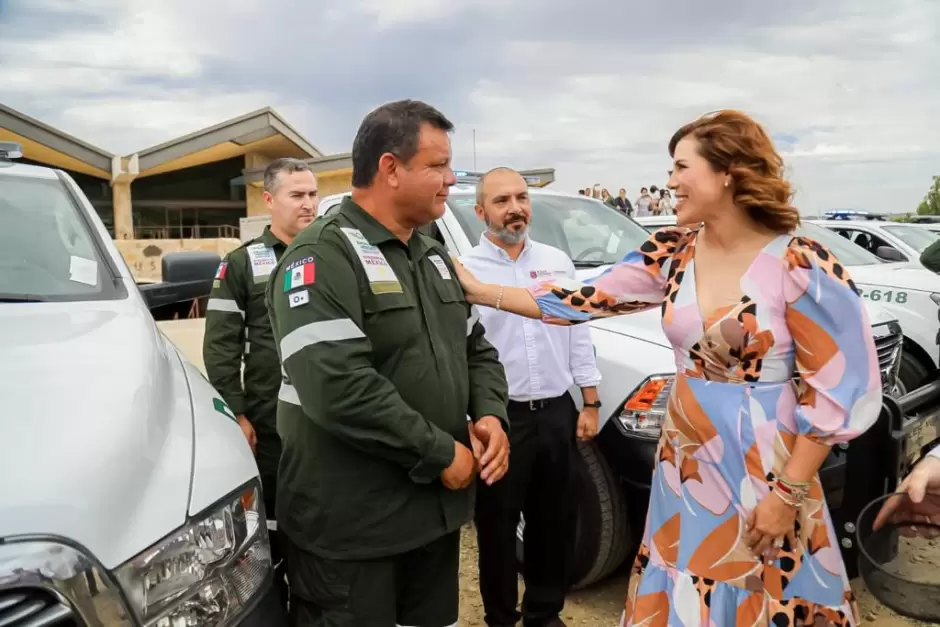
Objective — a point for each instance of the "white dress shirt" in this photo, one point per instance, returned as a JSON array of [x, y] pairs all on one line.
[[541, 360]]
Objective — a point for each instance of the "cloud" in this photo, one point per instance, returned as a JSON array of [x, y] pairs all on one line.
[[592, 88]]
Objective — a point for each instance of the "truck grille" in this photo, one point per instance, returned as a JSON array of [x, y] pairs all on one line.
[[33, 607], [45, 582], [888, 342]]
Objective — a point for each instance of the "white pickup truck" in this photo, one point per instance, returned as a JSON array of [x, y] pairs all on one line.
[[908, 291], [128, 494], [637, 364]]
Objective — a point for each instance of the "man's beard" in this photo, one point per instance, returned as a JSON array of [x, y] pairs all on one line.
[[506, 235]]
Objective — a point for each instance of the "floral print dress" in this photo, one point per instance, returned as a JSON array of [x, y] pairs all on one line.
[[734, 413]]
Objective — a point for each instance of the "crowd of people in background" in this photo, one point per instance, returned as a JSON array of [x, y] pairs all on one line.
[[652, 201]]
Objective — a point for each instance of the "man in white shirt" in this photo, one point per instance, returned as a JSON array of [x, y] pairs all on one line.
[[541, 362]]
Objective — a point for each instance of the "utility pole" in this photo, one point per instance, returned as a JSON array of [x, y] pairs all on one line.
[[474, 150]]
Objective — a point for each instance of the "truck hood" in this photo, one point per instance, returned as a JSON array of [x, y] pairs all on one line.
[[647, 325], [93, 449], [905, 276]]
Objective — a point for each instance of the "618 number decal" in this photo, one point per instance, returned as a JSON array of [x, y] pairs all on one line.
[[888, 296]]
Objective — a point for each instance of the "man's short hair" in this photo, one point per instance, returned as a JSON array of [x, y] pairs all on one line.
[[394, 127], [288, 165], [480, 196]]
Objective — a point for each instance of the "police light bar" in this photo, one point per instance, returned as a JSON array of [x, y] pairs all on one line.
[[472, 178], [10, 150], [851, 214]]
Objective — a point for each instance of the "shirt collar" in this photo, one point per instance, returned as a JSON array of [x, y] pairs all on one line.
[[493, 249], [269, 239], [376, 233]]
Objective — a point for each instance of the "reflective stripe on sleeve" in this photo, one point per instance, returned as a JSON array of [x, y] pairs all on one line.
[[472, 320], [316, 332], [224, 304], [288, 394]]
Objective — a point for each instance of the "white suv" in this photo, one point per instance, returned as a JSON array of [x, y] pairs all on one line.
[[129, 495], [892, 241], [637, 364]]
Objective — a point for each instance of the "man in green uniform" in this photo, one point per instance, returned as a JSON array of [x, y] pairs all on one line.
[[238, 329], [385, 362]]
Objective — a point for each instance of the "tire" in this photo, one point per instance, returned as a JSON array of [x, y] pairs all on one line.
[[603, 538], [911, 373]]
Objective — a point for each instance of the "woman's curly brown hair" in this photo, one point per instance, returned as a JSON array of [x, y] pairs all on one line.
[[731, 141]]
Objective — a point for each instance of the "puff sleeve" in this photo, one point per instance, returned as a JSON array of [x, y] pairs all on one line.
[[834, 350], [635, 283]]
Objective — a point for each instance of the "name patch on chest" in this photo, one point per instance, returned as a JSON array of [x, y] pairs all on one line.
[[381, 276], [441, 266], [263, 261], [545, 274]]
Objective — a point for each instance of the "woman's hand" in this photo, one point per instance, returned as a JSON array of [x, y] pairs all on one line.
[[472, 287], [923, 505], [768, 524]]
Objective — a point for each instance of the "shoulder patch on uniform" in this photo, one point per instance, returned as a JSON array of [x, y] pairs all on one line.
[[298, 262], [298, 298], [220, 272], [299, 274]]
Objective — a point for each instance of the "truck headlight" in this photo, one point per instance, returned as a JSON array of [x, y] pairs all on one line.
[[643, 412], [205, 572]]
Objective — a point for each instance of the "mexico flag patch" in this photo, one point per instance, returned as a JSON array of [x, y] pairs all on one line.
[[299, 276], [220, 273]]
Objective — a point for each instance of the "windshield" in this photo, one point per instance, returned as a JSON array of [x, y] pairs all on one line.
[[846, 252], [914, 236], [588, 231], [46, 250]]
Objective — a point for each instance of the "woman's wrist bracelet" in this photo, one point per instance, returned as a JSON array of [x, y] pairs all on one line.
[[792, 502]]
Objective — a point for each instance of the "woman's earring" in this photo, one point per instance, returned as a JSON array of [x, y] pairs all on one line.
[[726, 183]]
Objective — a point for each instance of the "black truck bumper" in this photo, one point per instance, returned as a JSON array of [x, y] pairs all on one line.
[[265, 611]]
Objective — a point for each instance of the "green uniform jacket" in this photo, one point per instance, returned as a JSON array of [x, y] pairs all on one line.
[[384, 361], [930, 258], [237, 330]]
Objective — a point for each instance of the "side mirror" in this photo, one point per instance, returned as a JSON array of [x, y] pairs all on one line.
[[187, 276], [889, 254]]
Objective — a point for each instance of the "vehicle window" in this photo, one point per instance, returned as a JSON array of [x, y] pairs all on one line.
[[846, 252], [47, 251], [914, 236], [588, 231]]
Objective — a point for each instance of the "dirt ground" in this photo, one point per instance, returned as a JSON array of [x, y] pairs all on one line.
[[601, 604]]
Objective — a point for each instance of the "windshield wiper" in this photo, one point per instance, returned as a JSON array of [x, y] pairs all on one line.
[[21, 298], [591, 264]]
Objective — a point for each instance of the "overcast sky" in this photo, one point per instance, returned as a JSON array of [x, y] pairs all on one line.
[[593, 88]]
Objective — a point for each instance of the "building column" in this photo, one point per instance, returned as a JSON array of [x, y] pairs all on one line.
[[254, 201], [123, 212], [123, 171]]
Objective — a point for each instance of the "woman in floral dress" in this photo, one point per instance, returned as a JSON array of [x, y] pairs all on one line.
[[738, 533]]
